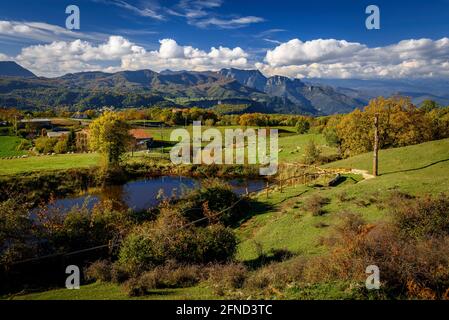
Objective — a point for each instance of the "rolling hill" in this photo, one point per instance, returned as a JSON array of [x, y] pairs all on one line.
[[321, 99], [12, 69], [145, 87], [277, 94]]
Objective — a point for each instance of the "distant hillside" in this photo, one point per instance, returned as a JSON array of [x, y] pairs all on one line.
[[364, 90], [142, 88], [12, 69], [319, 99], [139, 88]]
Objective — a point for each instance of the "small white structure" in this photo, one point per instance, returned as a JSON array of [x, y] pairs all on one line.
[[57, 134]]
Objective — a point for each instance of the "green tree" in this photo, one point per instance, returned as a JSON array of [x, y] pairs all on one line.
[[429, 105], [302, 126], [62, 146], [311, 153], [109, 135], [45, 144]]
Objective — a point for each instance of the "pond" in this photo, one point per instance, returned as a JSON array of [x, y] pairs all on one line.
[[147, 193]]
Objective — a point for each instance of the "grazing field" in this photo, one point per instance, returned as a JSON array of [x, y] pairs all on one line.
[[163, 133], [108, 291], [283, 222], [56, 162], [418, 170], [291, 147], [9, 145]]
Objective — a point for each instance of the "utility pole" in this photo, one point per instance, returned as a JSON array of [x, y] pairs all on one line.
[[376, 146], [15, 124]]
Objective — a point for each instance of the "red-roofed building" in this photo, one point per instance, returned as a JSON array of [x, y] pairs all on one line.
[[142, 137]]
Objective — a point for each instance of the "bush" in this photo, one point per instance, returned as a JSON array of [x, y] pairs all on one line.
[[311, 153], [165, 276], [315, 204], [168, 238], [45, 144], [172, 276], [99, 271], [227, 277], [423, 218], [276, 276], [119, 273], [302, 126], [413, 262], [82, 228], [212, 198], [331, 136], [24, 145], [16, 228], [62, 146], [6, 131], [135, 288]]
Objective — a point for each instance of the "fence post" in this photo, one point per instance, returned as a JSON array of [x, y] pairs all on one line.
[[376, 146]]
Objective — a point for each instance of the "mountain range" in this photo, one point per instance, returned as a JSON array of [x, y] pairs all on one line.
[[22, 89]]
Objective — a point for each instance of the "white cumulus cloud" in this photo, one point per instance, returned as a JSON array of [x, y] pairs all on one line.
[[321, 58], [118, 53], [330, 58]]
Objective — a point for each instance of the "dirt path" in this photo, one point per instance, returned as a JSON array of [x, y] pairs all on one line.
[[363, 173]]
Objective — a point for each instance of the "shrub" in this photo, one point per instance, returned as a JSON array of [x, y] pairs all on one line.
[[135, 288], [302, 126], [423, 218], [99, 271], [83, 228], [62, 146], [343, 197], [331, 136], [16, 228], [45, 145], [414, 263], [276, 276], [227, 277], [170, 275], [311, 153], [212, 198], [119, 273], [168, 238], [315, 204], [24, 145]]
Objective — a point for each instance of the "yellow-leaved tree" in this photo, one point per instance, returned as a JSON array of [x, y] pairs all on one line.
[[109, 135]]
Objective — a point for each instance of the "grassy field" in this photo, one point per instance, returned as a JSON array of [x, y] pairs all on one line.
[[401, 159], [56, 162], [291, 146], [163, 133], [281, 221], [416, 169], [108, 291], [8, 146]]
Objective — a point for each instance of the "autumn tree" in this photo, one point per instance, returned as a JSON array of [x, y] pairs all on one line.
[[400, 124], [109, 135]]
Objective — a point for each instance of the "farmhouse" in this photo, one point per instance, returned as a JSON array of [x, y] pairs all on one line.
[[57, 134], [142, 138], [35, 123]]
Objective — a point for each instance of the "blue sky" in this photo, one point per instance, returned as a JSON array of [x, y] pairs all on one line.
[[256, 27]]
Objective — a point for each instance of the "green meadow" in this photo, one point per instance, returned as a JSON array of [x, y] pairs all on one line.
[[9, 146], [280, 221]]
